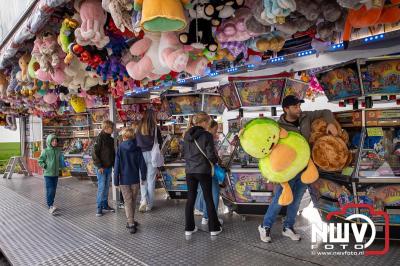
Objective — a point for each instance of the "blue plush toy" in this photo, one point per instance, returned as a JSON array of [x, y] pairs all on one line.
[[276, 10]]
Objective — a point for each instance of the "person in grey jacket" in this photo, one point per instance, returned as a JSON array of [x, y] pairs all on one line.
[[293, 119], [199, 154]]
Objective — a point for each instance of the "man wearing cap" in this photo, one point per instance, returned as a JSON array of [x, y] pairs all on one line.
[[293, 119]]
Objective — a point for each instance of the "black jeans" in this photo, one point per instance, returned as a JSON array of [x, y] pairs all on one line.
[[205, 182]]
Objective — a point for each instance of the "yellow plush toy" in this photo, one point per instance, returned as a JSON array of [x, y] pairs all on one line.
[[162, 15], [282, 154], [78, 104]]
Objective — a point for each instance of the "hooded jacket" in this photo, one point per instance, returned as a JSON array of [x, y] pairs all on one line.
[[51, 159], [103, 153], [129, 162], [305, 121], [196, 163]]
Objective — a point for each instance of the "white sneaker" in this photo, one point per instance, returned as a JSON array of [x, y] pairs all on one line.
[[148, 208], [215, 233], [197, 212], [189, 233], [289, 232], [265, 234], [143, 206], [52, 209], [204, 221]]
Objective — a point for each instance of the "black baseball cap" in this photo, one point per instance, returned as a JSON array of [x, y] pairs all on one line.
[[291, 100]]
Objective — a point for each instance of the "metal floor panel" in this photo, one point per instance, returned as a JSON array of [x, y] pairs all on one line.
[[30, 236]]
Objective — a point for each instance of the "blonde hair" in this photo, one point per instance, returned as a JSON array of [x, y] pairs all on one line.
[[127, 133], [107, 124], [148, 123], [200, 117]]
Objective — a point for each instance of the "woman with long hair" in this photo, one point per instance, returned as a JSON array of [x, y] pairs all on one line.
[[199, 153], [145, 140]]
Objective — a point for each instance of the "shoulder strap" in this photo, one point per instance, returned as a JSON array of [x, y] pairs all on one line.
[[155, 135], [202, 152]]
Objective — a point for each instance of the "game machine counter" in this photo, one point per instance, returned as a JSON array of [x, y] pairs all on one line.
[[373, 177]]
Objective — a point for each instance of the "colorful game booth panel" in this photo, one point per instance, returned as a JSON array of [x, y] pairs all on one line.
[[267, 92], [247, 192], [329, 196], [296, 88], [213, 104], [382, 197], [381, 77], [76, 165], [184, 104], [174, 178], [341, 82], [229, 96]]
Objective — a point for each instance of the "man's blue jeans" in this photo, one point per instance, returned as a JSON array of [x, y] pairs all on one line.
[[51, 187], [200, 202], [298, 189], [103, 187]]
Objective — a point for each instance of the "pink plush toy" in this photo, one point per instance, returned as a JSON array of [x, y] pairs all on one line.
[[91, 31], [234, 29], [160, 54], [48, 53]]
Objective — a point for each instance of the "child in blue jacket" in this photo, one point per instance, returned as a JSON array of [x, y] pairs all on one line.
[[129, 167]]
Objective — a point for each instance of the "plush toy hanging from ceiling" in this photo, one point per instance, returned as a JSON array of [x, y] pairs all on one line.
[[200, 35], [91, 31], [160, 54], [78, 104], [120, 11], [276, 10], [364, 17], [3, 85], [162, 15], [50, 57], [282, 155]]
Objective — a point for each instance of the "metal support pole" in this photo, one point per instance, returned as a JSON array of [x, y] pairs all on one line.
[[113, 118]]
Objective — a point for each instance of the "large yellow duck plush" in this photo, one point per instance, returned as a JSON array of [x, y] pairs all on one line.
[[282, 155]]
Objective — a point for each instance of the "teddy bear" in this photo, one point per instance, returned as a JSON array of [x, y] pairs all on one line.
[[120, 11], [91, 31], [161, 53], [295, 22], [234, 29], [273, 41], [50, 57], [275, 11], [77, 77], [3, 84], [255, 23], [200, 35], [162, 15], [330, 153]]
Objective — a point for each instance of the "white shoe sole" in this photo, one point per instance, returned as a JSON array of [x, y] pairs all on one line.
[[205, 222], [262, 235], [142, 207], [292, 237], [189, 233], [52, 211], [215, 233]]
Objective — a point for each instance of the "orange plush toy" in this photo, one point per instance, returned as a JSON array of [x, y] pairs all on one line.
[[363, 17]]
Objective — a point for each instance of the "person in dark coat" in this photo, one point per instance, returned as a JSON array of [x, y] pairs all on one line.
[[103, 158], [129, 167], [199, 154]]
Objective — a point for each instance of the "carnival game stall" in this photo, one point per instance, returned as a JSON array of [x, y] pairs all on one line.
[[370, 174]]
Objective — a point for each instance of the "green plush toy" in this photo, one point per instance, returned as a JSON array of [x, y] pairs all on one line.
[[67, 36], [282, 154]]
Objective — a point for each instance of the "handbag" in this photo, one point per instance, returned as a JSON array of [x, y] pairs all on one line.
[[157, 159], [217, 171]]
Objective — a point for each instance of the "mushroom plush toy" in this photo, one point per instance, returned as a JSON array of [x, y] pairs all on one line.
[[282, 155]]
